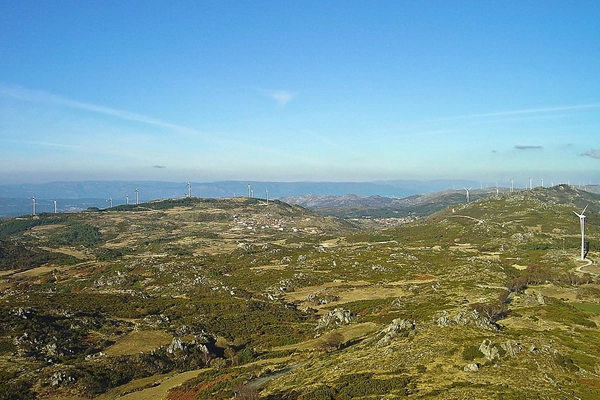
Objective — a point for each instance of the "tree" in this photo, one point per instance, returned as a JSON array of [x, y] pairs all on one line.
[[333, 341]]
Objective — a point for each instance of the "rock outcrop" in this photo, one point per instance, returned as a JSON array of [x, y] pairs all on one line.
[[397, 327], [335, 318]]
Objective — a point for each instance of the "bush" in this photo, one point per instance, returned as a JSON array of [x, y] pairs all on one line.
[[471, 352]]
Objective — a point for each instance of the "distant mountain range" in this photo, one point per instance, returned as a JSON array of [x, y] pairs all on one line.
[[152, 190], [16, 199]]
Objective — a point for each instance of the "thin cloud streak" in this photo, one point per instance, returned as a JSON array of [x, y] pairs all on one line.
[[526, 111], [37, 96], [43, 144]]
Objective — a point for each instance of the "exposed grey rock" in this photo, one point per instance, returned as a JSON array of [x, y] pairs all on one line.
[[464, 318], [336, 317], [512, 347], [244, 246], [394, 329], [533, 349], [540, 299], [489, 350], [176, 345], [471, 367]]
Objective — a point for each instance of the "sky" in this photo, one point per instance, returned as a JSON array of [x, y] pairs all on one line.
[[301, 90]]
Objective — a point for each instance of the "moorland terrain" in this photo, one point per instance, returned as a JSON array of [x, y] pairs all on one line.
[[218, 298]]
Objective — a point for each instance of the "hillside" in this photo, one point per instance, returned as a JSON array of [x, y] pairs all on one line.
[[377, 207], [15, 199], [479, 300]]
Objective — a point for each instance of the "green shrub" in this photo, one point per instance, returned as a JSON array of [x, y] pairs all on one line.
[[471, 352]]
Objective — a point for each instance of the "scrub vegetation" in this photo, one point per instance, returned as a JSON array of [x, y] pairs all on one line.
[[216, 298]]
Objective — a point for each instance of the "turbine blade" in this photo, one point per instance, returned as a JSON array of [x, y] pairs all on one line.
[[583, 212]]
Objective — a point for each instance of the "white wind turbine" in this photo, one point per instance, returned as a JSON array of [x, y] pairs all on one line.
[[467, 193], [189, 189], [33, 205], [127, 199], [582, 223], [267, 194], [137, 199], [54, 206]]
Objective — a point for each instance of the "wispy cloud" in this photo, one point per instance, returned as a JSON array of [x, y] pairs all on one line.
[[37, 96], [592, 153], [159, 166], [525, 147], [43, 144], [282, 97], [542, 110]]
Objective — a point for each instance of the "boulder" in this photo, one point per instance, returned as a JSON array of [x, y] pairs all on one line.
[[395, 328], [335, 317], [489, 350], [176, 345], [512, 347], [471, 367]]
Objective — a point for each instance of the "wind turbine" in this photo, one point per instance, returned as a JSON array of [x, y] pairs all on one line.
[[33, 205], [189, 189], [54, 206], [267, 192], [512, 185], [467, 193], [582, 223], [249, 190], [110, 201], [137, 199], [127, 199]]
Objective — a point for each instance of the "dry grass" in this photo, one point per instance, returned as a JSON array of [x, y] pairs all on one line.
[[138, 341], [152, 388], [68, 251], [35, 271]]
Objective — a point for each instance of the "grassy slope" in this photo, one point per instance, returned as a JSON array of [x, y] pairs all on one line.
[[221, 273]]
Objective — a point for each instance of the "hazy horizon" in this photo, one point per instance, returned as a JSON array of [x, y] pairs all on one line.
[[291, 92]]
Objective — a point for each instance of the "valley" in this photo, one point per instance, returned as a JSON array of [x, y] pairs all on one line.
[[200, 298]]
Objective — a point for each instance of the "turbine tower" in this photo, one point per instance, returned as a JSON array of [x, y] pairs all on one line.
[[137, 198], [512, 185], [189, 189], [127, 199], [249, 190], [467, 193], [54, 206], [110, 201], [267, 192], [33, 205], [582, 223]]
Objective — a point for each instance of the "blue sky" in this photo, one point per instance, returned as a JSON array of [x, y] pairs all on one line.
[[300, 90]]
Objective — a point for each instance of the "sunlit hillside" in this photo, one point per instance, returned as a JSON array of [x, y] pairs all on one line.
[[204, 298]]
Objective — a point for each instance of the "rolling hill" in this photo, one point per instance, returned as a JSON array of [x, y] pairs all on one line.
[[216, 298]]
